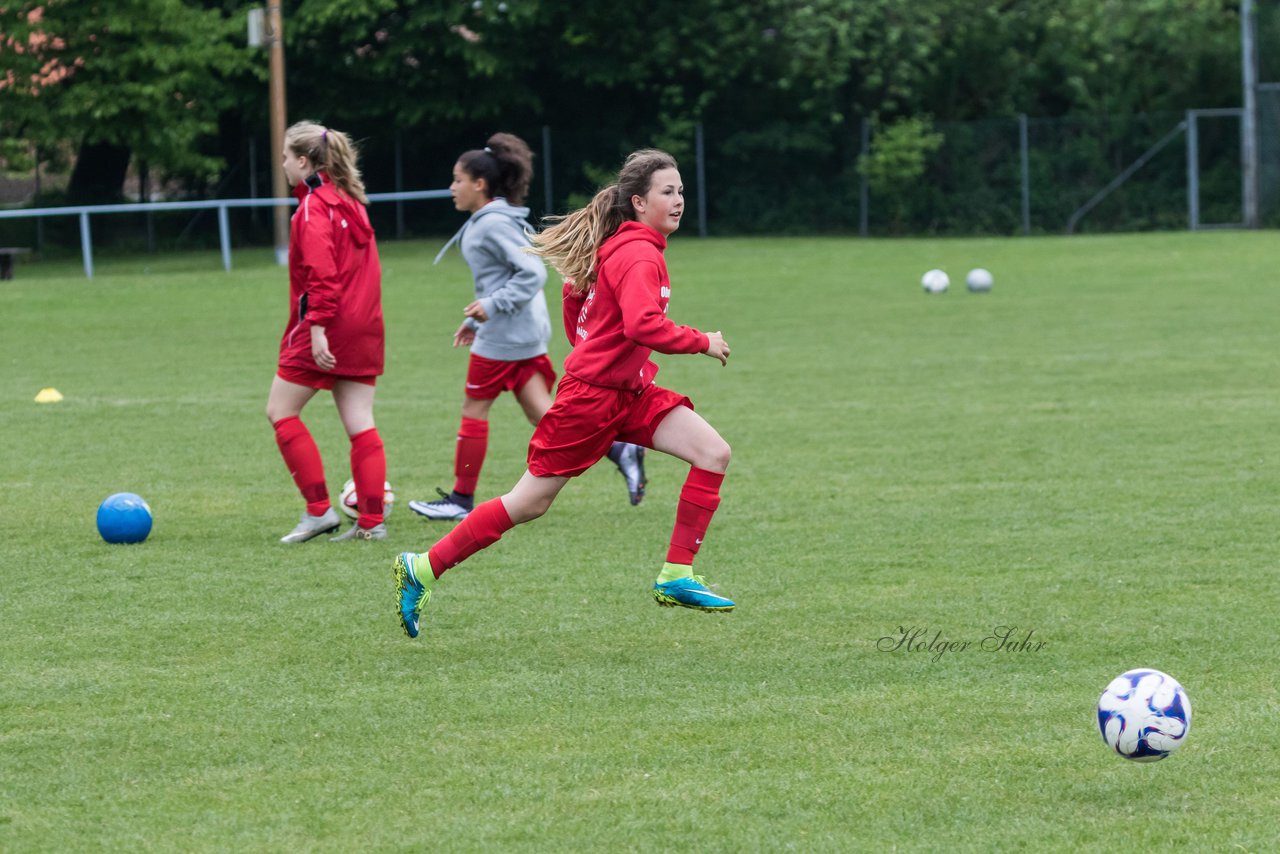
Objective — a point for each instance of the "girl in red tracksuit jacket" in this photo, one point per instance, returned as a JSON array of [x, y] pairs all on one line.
[[334, 337], [616, 316]]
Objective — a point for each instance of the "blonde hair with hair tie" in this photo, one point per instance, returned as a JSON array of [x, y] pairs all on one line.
[[331, 152]]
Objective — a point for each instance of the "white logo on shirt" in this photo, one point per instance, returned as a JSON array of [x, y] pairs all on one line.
[[665, 293]]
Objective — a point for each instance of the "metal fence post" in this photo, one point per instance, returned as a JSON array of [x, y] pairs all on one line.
[[546, 171], [702, 181], [399, 186], [254, 219], [86, 244], [1249, 121], [1024, 146], [39, 220], [1193, 172], [864, 192], [144, 196], [224, 237]]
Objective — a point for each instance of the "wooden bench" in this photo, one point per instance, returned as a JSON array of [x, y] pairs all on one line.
[[6, 259]]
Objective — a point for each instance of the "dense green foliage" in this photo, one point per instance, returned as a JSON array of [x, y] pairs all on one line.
[[781, 86], [1087, 453], [151, 77]]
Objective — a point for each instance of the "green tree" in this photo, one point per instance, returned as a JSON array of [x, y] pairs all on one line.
[[140, 78], [781, 85], [408, 63]]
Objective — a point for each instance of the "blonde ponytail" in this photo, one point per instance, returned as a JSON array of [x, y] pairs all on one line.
[[571, 244], [330, 151]]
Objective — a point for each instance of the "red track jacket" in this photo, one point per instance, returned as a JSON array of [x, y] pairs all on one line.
[[622, 319], [335, 281]]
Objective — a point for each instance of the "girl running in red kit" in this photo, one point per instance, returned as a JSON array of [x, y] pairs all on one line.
[[334, 338], [506, 325], [615, 315]]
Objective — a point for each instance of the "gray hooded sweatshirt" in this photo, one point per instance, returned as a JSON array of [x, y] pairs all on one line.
[[508, 282]]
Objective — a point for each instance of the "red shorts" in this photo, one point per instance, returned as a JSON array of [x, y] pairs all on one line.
[[488, 378], [316, 378], [585, 420]]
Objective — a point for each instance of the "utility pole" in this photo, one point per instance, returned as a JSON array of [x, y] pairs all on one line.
[[279, 186]]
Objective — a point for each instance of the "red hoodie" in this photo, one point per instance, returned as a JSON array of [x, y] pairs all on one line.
[[616, 324], [335, 281]]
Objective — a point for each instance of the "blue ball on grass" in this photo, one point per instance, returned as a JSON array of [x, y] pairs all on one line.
[[124, 518]]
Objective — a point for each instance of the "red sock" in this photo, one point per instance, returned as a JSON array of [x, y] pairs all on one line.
[[303, 460], [369, 471], [699, 499], [483, 527], [473, 442]]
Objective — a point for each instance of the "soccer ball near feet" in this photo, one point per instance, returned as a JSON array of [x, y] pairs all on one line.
[[348, 500]]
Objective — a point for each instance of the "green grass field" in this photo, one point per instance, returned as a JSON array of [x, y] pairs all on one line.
[[1088, 454]]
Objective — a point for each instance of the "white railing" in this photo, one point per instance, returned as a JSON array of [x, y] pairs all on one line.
[[221, 205]]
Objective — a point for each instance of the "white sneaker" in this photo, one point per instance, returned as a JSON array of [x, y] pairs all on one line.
[[355, 532], [445, 508], [310, 526]]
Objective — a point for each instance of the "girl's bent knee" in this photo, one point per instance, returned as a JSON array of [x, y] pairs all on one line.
[[526, 511], [528, 514], [717, 457]]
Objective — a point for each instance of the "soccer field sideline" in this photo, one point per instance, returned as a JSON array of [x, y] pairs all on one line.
[[1084, 456]]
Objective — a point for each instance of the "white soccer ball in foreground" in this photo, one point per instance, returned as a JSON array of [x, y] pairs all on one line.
[[349, 501], [935, 282], [1144, 715], [979, 280]]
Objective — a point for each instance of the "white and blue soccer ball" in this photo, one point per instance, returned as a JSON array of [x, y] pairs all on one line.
[[1144, 715], [349, 501], [935, 282], [979, 281]]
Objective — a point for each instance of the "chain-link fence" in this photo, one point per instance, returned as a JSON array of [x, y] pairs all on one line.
[[997, 177]]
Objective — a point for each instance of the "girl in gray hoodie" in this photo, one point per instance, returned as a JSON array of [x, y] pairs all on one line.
[[506, 325]]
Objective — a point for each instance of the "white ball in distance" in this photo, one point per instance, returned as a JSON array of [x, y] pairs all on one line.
[[935, 282], [979, 280]]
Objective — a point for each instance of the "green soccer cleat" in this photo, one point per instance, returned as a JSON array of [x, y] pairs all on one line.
[[411, 593], [690, 592]]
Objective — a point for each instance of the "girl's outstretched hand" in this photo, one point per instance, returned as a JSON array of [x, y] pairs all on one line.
[[476, 310], [717, 348]]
